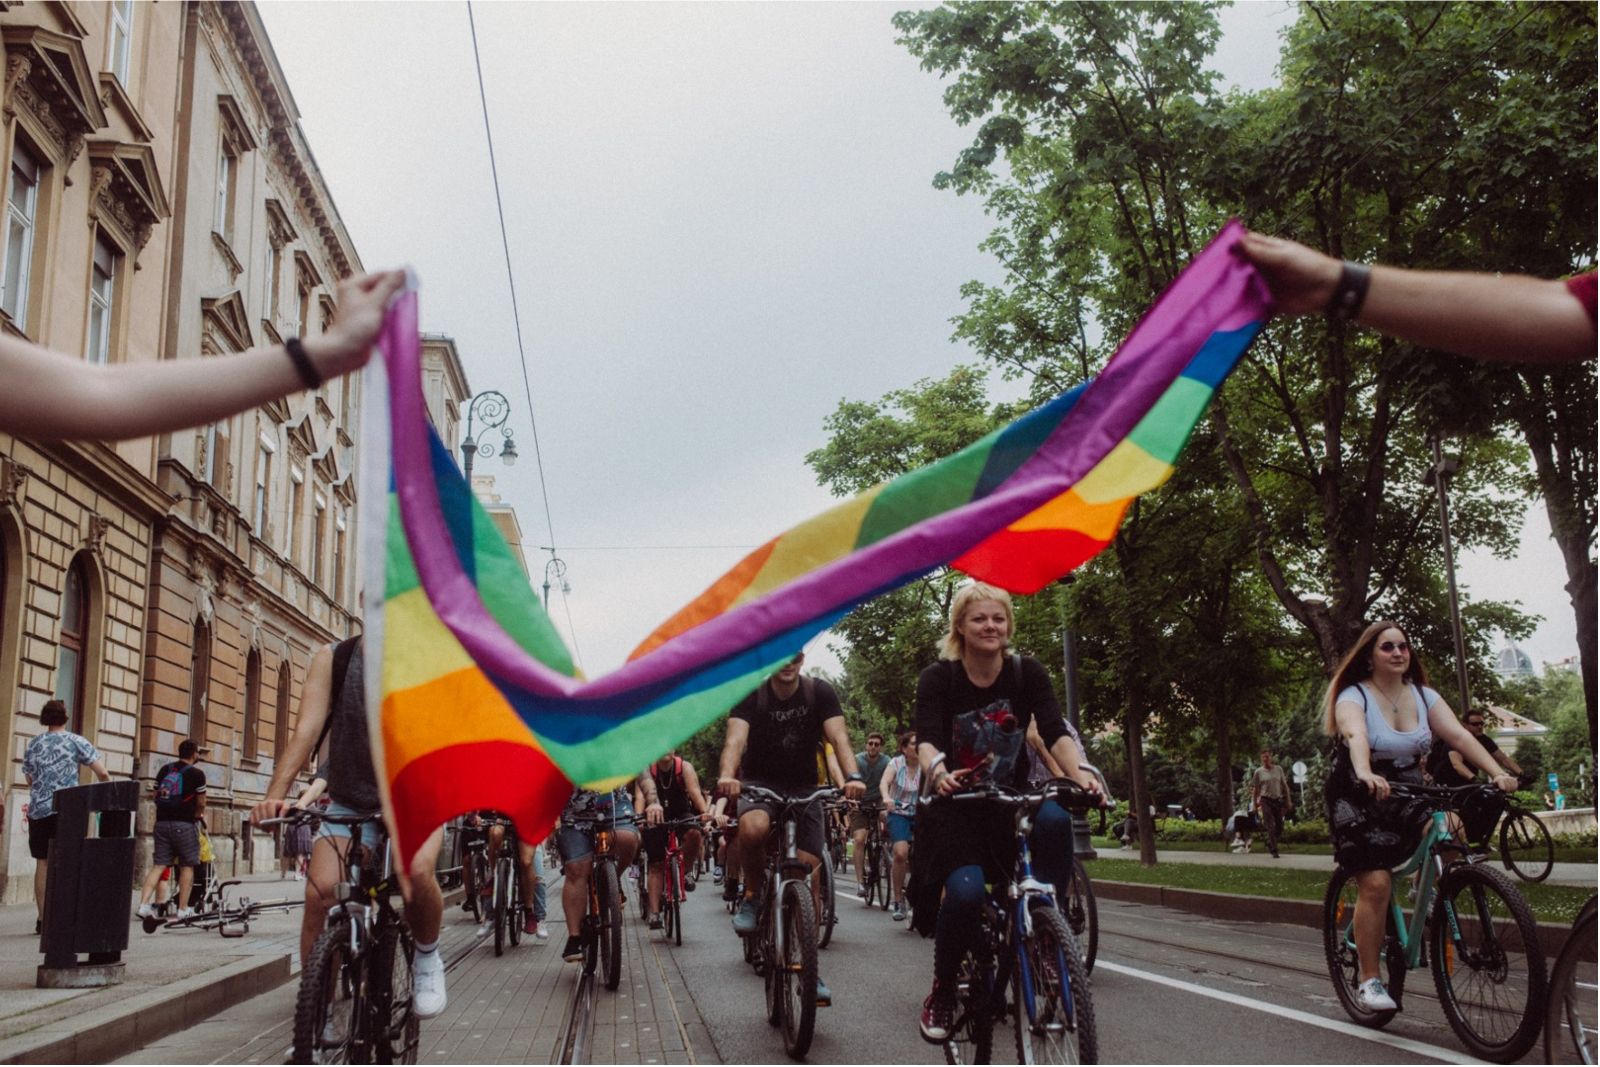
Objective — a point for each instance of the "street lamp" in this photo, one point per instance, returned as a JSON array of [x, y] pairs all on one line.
[[1438, 477], [559, 565], [491, 408]]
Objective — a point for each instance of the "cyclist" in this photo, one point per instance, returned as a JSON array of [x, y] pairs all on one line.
[[1386, 718], [774, 732], [677, 789], [973, 711], [902, 781], [872, 763], [528, 874], [333, 708], [575, 845]]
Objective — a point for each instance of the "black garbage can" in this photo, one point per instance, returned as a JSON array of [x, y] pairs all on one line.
[[86, 896]]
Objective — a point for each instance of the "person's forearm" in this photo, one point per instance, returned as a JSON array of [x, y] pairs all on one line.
[[732, 753], [1487, 315]]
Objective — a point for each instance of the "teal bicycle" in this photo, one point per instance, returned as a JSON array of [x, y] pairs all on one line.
[[1468, 925]]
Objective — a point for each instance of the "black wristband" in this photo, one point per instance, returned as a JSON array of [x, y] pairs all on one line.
[[1350, 293], [302, 363]]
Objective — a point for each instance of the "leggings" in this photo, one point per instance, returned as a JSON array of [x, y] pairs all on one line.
[[961, 911]]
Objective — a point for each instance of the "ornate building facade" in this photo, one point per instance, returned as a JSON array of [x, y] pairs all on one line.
[[162, 204]]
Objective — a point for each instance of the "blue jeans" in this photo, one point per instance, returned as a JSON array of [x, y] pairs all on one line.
[[539, 907], [961, 911]]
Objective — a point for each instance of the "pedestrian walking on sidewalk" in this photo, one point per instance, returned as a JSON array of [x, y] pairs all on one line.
[[180, 803], [1270, 795], [51, 762]]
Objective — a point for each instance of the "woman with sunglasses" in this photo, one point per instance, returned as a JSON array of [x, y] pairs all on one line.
[[1386, 718]]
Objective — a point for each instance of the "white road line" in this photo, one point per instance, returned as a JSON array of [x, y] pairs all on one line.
[[1338, 1026]]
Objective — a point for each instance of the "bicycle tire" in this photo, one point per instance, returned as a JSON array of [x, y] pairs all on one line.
[[1339, 948], [885, 876], [330, 995], [873, 859], [610, 935], [830, 911], [497, 907], [395, 1023], [1048, 1028], [1525, 846], [1498, 949], [515, 907], [797, 969], [1569, 1021], [1082, 914], [971, 1037]]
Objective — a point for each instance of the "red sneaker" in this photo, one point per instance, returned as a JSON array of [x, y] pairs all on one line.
[[938, 1013]]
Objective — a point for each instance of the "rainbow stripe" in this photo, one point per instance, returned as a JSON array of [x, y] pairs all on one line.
[[460, 629]]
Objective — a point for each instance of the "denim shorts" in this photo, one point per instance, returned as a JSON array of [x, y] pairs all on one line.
[[371, 833], [899, 827], [575, 843]]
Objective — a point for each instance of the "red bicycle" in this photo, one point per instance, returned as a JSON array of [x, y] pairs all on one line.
[[673, 892]]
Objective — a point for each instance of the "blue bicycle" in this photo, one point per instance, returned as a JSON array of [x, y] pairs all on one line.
[[1028, 947]]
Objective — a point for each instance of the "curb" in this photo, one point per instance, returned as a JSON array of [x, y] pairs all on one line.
[[116, 1030], [1241, 908]]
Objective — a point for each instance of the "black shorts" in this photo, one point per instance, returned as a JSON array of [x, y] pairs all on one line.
[[654, 839], [40, 833], [808, 828]]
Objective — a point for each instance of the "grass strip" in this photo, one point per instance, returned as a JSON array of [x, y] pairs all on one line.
[[1550, 903]]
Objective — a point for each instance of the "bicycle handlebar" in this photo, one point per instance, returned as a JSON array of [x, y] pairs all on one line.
[[757, 793], [1068, 793], [300, 816], [1452, 793]]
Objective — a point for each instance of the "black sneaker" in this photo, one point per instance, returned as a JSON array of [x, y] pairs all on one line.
[[730, 889], [655, 922], [573, 951]]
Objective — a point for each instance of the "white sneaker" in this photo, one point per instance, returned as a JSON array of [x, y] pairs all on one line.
[[147, 911], [542, 932], [428, 992], [185, 913], [1371, 996]]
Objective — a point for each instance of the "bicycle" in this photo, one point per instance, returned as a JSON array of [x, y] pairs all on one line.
[[355, 1000], [673, 893], [877, 859], [1027, 945], [1526, 848], [476, 871], [1469, 925], [1569, 1022], [784, 948], [505, 899], [602, 923]]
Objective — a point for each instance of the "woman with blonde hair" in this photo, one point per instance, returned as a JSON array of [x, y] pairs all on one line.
[[974, 708], [1386, 718]]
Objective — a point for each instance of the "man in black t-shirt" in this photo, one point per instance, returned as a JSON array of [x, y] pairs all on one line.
[[772, 740], [1447, 767], [180, 800]]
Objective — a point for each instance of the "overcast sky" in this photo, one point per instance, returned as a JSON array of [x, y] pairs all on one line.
[[722, 223]]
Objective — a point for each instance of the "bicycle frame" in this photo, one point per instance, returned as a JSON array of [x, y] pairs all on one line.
[[1410, 933]]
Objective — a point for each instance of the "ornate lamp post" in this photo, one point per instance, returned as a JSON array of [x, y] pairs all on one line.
[[491, 408], [1438, 477], [559, 566]]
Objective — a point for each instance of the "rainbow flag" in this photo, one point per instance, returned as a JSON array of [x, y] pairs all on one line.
[[476, 703]]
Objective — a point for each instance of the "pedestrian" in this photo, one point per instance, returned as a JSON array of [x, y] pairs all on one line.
[[180, 796], [1270, 796], [49, 763], [297, 840]]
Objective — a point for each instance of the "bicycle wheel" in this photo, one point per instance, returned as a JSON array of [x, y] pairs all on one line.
[[1054, 1012], [396, 1026], [641, 887], [1525, 847], [1487, 963], [674, 908], [605, 875], [498, 902], [830, 911], [1339, 947], [474, 877], [1569, 1022], [1083, 917], [971, 1037], [328, 1010], [514, 906], [885, 876], [797, 969]]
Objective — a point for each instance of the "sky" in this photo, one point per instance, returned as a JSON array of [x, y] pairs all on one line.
[[721, 222]]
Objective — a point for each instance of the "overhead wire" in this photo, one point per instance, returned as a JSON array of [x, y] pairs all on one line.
[[516, 318]]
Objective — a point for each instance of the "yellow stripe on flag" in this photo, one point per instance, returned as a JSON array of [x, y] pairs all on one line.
[[1127, 471]]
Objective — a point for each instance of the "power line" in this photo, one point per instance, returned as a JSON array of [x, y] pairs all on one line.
[[643, 548], [516, 317]]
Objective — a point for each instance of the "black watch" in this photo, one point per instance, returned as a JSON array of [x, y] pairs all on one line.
[[854, 777]]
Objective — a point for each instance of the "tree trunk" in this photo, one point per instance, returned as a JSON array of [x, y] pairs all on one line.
[[1139, 791], [1219, 730]]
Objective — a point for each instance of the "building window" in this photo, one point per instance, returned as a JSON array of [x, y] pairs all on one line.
[[22, 208], [280, 729], [338, 555], [274, 281], [102, 299], [71, 651], [302, 320], [263, 500], [227, 184], [319, 534], [252, 705], [121, 38], [297, 513], [216, 468], [199, 680]]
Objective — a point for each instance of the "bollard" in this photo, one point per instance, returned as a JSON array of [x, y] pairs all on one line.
[[86, 894]]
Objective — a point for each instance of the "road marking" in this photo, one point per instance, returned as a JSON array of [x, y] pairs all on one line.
[[1338, 1026]]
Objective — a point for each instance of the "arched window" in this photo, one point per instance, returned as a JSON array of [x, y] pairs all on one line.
[[72, 647], [199, 680], [252, 704], [280, 730]]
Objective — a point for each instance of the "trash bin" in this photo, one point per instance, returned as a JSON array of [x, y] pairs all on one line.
[[86, 895]]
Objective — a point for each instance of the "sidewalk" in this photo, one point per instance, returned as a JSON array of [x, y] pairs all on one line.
[[172, 979], [1578, 874]]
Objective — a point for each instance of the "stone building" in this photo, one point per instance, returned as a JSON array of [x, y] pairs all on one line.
[[162, 204]]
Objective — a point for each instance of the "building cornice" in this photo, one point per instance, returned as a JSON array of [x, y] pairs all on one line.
[[101, 466]]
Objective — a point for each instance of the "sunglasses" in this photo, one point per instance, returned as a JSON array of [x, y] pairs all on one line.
[[1474, 722], [1394, 646]]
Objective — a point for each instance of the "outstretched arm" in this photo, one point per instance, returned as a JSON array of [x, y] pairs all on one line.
[[1488, 316], [54, 396]]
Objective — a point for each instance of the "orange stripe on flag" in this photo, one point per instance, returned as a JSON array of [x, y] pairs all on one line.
[[712, 602], [461, 707]]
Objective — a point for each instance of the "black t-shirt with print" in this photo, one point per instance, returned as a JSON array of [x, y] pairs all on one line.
[[971, 725], [782, 751]]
